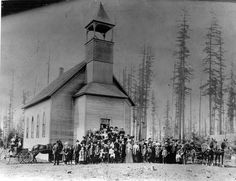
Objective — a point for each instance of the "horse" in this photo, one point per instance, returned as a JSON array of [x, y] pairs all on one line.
[[205, 153], [219, 153], [56, 150], [43, 149]]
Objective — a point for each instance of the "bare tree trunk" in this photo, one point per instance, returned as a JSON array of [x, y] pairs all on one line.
[[200, 110]]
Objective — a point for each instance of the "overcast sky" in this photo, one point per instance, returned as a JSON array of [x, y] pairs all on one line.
[[57, 31]]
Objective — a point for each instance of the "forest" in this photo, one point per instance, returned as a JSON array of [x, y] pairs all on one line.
[[219, 88]]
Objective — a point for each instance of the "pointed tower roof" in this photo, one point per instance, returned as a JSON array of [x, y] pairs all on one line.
[[102, 21], [102, 15]]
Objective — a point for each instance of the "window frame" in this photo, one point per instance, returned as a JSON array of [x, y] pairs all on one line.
[[44, 126], [27, 128], [32, 127], [37, 126]]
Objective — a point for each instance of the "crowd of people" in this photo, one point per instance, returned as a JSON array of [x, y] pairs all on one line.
[[112, 145]]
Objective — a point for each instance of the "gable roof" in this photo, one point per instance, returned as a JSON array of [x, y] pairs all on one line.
[[117, 83], [108, 90], [55, 85], [94, 88], [112, 90]]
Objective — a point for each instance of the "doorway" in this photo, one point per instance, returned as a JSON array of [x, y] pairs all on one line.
[[104, 123]]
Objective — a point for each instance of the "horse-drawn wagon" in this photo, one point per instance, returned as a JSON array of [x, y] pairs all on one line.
[[20, 156]]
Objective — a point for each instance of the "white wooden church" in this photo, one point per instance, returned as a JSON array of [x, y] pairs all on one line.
[[85, 97]]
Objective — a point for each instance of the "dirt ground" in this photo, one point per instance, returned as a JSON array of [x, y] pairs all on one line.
[[117, 172]]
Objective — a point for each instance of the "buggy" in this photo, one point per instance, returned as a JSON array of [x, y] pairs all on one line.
[[21, 156]]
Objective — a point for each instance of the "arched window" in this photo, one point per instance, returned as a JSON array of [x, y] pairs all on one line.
[[32, 128], [27, 128], [43, 125], [37, 127]]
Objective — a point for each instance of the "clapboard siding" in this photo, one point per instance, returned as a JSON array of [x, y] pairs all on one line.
[[99, 50], [127, 117], [41, 108], [79, 118], [104, 107], [62, 110]]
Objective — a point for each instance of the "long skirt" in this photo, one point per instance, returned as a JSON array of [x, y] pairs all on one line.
[[129, 157]]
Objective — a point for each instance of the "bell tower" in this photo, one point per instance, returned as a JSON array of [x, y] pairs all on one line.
[[99, 48]]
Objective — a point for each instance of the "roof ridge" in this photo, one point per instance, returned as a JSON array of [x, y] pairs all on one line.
[[56, 84]]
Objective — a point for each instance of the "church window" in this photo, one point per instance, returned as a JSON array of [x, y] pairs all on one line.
[[32, 128], [43, 125], [27, 128], [37, 127]]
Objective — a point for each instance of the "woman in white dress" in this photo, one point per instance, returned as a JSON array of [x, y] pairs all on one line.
[[128, 152]]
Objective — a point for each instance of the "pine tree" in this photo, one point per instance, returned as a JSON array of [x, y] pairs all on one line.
[[231, 103], [214, 66], [209, 63], [221, 77], [130, 78], [183, 73], [130, 85], [141, 90], [147, 83], [154, 120], [167, 121], [144, 85], [136, 108], [200, 110]]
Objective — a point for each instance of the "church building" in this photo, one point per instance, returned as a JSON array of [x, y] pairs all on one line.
[[85, 97]]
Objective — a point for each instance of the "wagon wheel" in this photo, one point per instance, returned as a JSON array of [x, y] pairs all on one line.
[[21, 158], [27, 157], [9, 157], [3, 154]]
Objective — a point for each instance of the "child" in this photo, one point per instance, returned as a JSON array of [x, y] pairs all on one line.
[[178, 157], [102, 155], [111, 155], [82, 155]]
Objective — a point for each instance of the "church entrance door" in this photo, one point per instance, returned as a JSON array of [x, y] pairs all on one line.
[[105, 123]]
